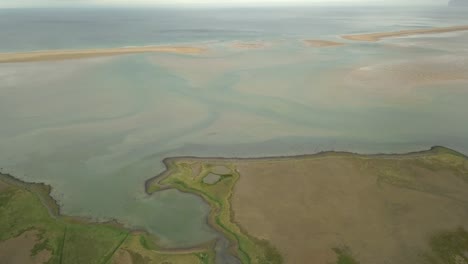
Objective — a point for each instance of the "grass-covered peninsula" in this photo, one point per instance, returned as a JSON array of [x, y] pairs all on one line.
[[333, 207], [190, 177]]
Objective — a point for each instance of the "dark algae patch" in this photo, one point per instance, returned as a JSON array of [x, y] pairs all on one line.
[[448, 247], [138, 259], [41, 246], [270, 254], [26, 208], [344, 256]]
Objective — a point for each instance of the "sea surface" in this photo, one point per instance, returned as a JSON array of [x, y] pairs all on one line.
[[96, 129]]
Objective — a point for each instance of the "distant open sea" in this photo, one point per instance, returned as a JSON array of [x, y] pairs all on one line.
[[40, 29], [95, 129]]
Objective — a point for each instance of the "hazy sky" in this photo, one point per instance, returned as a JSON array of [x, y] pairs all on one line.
[[58, 3]]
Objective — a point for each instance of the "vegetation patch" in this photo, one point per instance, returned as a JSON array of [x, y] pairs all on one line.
[[344, 256], [449, 247], [41, 246]]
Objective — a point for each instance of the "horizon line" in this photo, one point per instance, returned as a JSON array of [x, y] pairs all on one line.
[[210, 6]]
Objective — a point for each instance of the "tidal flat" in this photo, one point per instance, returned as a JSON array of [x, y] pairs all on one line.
[[403, 33], [95, 129], [56, 55], [112, 120]]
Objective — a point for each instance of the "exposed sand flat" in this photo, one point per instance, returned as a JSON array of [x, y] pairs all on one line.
[[249, 45], [378, 36], [52, 55], [317, 43], [404, 75]]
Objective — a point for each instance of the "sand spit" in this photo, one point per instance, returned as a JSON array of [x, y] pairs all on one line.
[[317, 43], [373, 37], [54, 55]]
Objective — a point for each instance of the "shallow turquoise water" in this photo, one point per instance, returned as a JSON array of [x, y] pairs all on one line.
[[96, 129]]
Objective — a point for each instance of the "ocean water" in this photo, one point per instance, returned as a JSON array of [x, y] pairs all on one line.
[[96, 129], [40, 29]]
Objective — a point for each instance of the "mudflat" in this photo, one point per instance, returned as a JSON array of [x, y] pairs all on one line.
[[54, 55], [373, 37]]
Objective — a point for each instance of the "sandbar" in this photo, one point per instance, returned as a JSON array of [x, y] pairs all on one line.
[[249, 45], [317, 43], [55, 55], [373, 37]]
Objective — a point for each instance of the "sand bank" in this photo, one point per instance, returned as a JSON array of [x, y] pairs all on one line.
[[380, 35], [317, 43], [249, 45], [53, 55]]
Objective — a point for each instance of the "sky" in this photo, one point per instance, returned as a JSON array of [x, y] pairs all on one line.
[[190, 3]]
